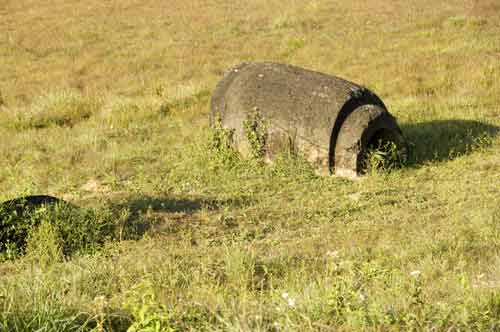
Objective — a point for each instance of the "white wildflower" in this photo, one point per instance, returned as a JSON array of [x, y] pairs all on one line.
[[415, 274], [333, 254], [289, 300]]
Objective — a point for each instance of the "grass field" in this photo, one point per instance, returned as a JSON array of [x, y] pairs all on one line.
[[105, 104]]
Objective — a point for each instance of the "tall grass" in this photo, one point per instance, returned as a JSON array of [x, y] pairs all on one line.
[[65, 108]]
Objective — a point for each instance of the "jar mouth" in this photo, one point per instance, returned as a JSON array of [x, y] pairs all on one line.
[[385, 148], [369, 131]]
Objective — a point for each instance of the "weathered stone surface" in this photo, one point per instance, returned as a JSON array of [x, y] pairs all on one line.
[[327, 119]]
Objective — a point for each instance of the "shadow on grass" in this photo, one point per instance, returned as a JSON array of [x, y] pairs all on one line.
[[447, 139], [86, 230], [170, 214], [142, 204]]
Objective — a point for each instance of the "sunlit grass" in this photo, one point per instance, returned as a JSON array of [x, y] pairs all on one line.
[[200, 239]]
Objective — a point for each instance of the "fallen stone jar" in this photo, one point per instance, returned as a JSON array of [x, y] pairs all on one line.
[[330, 121]]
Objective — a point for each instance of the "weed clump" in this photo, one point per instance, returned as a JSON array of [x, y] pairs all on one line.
[[382, 156], [255, 128], [148, 314], [220, 143]]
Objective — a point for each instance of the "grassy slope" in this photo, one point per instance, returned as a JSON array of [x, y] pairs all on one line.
[[129, 131]]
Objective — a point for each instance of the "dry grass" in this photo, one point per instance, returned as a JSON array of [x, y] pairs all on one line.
[[114, 95]]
